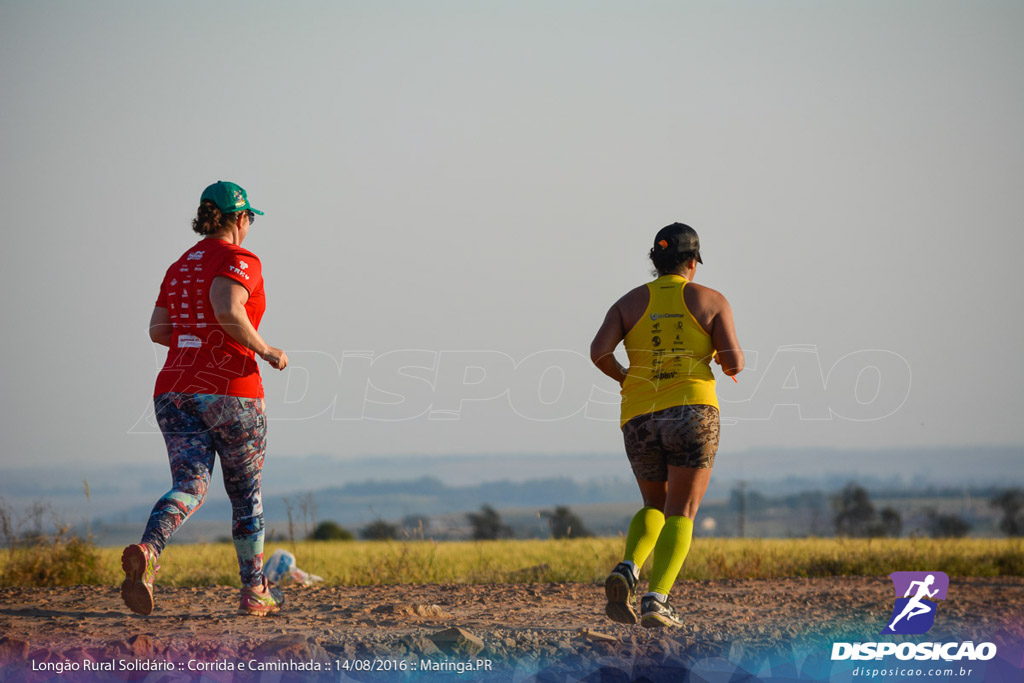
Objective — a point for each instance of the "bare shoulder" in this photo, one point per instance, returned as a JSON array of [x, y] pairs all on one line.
[[705, 304], [705, 296], [635, 295], [632, 305]]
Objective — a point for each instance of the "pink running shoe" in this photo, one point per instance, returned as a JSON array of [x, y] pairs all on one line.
[[139, 564], [262, 600]]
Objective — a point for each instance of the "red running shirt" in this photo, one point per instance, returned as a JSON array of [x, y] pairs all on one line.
[[203, 358]]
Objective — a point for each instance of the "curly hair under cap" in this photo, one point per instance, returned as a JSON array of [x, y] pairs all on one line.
[[210, 219], [667, 261]]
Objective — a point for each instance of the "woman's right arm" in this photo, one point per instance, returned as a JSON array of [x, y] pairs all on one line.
[[160, 327], [602, 349]]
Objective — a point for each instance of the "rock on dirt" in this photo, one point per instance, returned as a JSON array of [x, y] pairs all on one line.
[[292, 648], [457, 641]]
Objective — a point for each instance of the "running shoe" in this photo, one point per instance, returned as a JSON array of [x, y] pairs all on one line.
[[139, 564], [620, 589], [657, 614], [262, 600]]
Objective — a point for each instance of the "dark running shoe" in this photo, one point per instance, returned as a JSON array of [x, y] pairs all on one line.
[[620, 589], [657, 614]]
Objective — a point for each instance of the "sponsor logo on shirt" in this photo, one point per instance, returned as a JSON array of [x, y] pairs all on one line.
[[196, 255], [240, 269], [189, 341]]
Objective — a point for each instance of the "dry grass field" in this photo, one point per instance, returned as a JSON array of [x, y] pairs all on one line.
[[370, 563]]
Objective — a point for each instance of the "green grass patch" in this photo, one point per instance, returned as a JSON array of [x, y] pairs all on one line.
[[54, 562]]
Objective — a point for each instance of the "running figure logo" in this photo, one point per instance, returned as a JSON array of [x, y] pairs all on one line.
[[914, 612]]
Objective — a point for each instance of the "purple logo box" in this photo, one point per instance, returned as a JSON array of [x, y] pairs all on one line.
[[901, 582], [915, 606]]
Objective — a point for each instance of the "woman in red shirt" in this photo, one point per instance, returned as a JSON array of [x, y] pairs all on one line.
[[209, 395]]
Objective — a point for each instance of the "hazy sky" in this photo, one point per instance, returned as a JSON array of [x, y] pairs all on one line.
[[455, 193]]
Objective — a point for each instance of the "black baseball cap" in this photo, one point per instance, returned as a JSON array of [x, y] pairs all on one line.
[[680, 238]]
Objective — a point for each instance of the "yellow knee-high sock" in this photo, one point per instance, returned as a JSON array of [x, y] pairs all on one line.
[[643, 534], [670, 552]]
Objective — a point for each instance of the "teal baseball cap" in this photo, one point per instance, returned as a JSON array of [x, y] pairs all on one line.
[[228, 197]]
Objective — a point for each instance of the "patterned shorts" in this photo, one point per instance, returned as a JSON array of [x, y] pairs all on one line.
[[681, 436]]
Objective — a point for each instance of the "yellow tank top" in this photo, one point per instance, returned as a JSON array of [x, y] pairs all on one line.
[[669, 355]]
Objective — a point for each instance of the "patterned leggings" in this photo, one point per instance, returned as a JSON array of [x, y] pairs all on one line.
[[197, 427]]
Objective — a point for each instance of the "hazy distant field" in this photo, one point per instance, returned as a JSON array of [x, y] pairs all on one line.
[[582, 560]]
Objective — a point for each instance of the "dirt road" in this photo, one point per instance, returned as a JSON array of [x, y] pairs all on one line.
[[546, 632]]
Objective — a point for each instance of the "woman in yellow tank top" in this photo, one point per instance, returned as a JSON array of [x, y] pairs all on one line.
[[672, 328]]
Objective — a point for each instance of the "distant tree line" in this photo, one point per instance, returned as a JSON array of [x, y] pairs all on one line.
[[854, 515], [487, 524], [330, 531], [562, 522], [1011, 502]]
